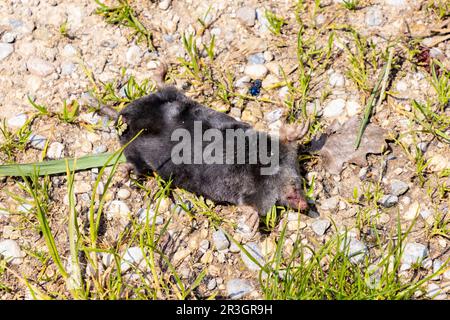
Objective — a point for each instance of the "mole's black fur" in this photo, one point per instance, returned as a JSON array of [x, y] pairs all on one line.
[[159, 114]]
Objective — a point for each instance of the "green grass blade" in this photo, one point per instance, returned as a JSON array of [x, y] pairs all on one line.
[[59, 166]]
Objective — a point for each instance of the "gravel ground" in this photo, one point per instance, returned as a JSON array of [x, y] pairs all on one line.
[[48, 48]]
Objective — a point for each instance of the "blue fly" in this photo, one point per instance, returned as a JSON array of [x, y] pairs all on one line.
[[255, 89]]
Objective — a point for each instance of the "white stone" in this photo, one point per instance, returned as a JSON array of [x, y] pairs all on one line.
[[164, 4], [132, 258], [334, 108], [352, 108], [145, 213], [82, 187], [247, 15], [256, 71], [374, 17], [39, 67], [134, 55], [5, 50], [123, 194], [242, 82], [397, 3], [337, 80], [254, 250], [11, 252], [55, 150], [412, 212], [37, 142], [238, 288], [17, 121], [118, 210]]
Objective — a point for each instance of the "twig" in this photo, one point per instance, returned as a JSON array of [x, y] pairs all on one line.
[[384, 76]]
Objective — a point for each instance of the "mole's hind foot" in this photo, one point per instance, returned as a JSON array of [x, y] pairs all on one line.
[[248, 223]]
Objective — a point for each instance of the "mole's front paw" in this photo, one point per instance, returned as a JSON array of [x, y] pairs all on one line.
[[248, 223]]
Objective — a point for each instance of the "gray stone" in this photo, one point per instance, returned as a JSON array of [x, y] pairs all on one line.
[[11, 252], [220, 240], [37, 142], [5, 50], [354, 249], [320, 226], [247, 15], [414, 253], [18, 121], [388, 201], [238, 288], [334, 108], [55, 150], [374, 17], [274, 115], [255, 251], [257, 58], [132, 258], [398, 187]]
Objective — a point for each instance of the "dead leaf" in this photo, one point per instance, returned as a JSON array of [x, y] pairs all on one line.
[[339, 146]]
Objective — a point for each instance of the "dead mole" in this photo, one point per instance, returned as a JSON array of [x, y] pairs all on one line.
[[210, 153]]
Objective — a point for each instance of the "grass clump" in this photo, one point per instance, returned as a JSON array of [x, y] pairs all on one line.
[[124, 15]]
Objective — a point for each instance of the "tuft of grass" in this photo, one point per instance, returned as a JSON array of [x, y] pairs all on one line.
[[440, 80], [14, 141], [69, 112], [275, 22], [350, 4], [328, 272], [431, 120], [124, 15]]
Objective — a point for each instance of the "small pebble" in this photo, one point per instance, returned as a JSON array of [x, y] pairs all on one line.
[[330, 203], [17, 121], [132, 257], [40, 67], [134, 55], [320, 226], [100, 149], [255, 251], [118, 209], [37, 142], [374, 17], [388, 201], [220, 240], [55, 150], [164, 4], [398, 187], [238, 288], [5, 50], [334, 108], [144, 214], [247, 15], [11, 252], [256, 71], [355, 250], [257, 58], [414, 253], [212, 284], [123, 194]]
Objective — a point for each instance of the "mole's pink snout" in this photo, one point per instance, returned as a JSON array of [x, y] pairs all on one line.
[[296, 200]]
